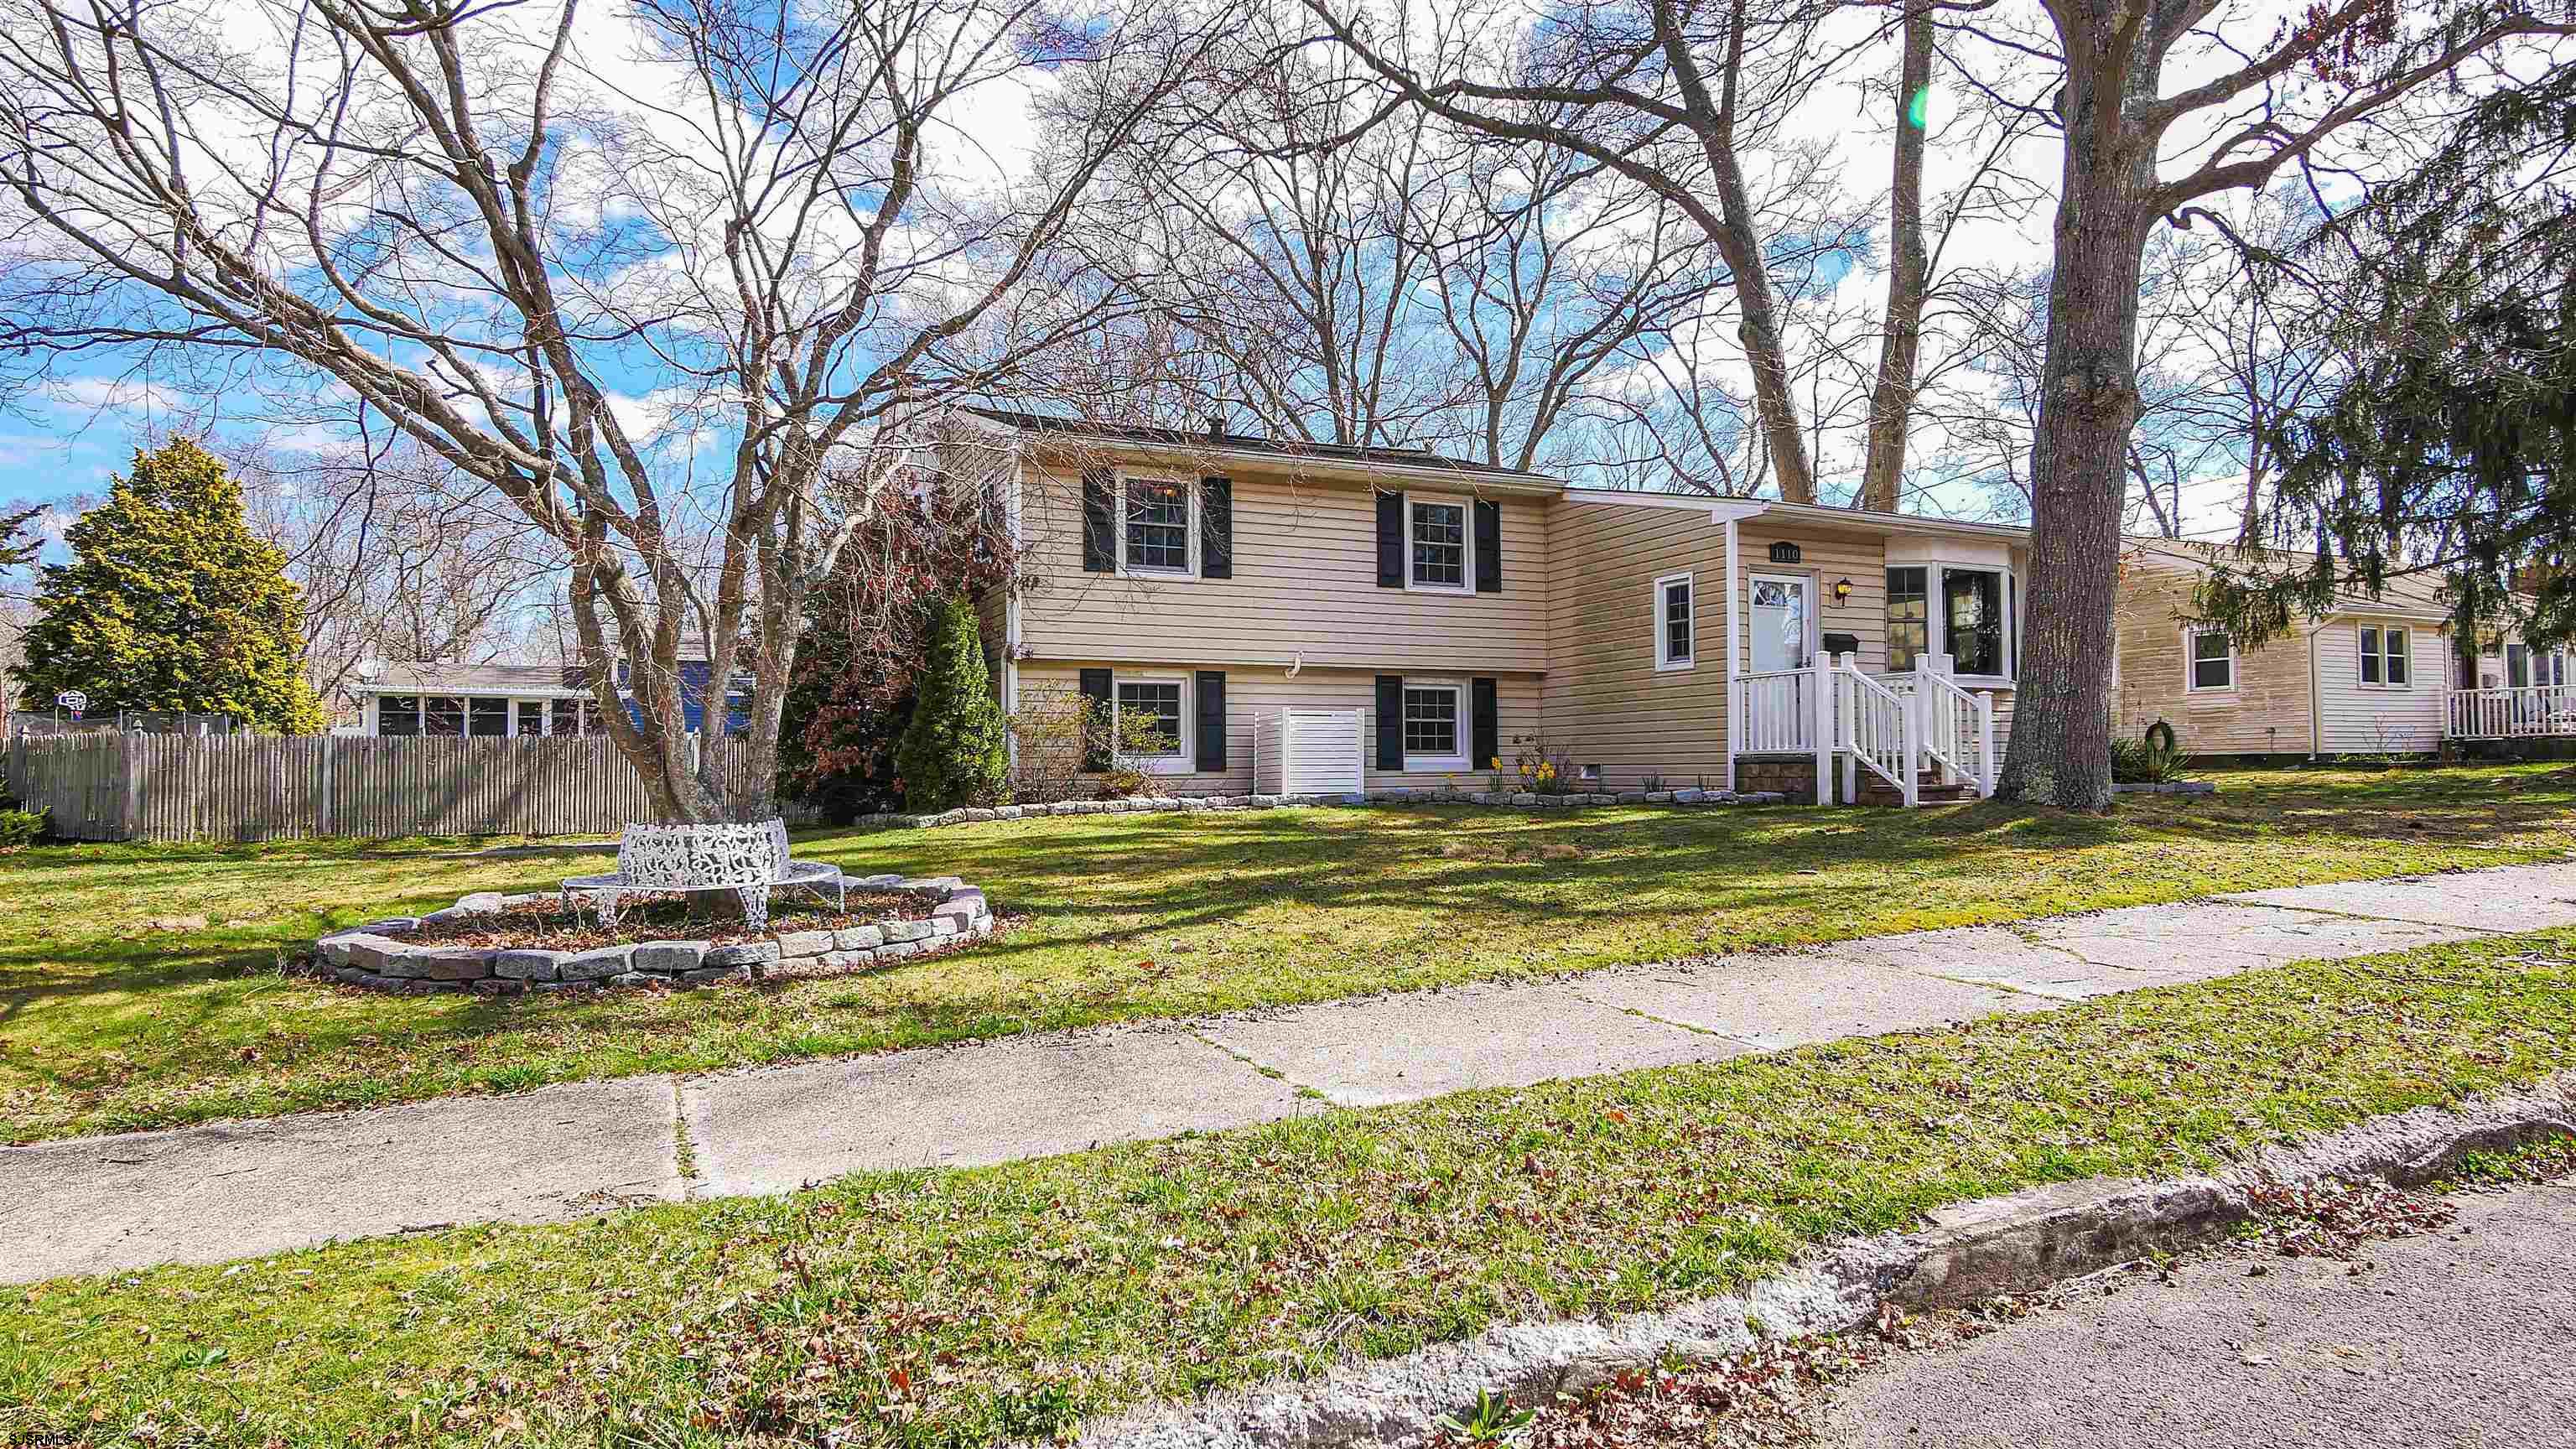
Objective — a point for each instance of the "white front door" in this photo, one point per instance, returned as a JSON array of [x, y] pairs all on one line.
[[1781, 608]]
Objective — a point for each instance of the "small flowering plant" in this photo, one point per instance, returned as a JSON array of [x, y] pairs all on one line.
[[1543, 769]]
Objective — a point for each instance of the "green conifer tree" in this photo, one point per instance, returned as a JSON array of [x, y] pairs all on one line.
[[170, 602], [954, 751]]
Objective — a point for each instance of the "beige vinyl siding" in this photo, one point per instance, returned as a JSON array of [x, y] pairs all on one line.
[[1823, 559], [992, 622], [2374, 719], [1251, 690], [1304, 584], [2266, 713], [2297, 694], [1606, 701]]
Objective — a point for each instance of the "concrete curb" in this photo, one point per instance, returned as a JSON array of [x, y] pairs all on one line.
[[2013, 1244]]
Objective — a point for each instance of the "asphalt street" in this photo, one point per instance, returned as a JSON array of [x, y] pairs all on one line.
[[2463, 1337]]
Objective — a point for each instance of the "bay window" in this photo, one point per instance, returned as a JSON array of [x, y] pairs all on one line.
[[1972, 620], [1964, 610], [1909, 621]]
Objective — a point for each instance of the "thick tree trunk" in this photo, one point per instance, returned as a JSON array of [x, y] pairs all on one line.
[[2061, 736], [1891, 404]]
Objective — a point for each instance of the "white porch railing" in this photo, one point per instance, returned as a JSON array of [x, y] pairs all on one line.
[[1775, 712], [2506, 714], [1875, 727], [1958, 727], [1896, 724]]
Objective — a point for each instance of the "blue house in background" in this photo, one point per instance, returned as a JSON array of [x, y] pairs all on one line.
[[518, 701]]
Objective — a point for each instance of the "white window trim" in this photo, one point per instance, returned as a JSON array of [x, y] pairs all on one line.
[[2381, 684], [1189, 525], [1665, 663], [2190, 664], [1458, 763], [1184, 763], [1466, 542]]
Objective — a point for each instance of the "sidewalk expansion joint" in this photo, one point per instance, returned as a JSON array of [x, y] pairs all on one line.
[[684, 1148], [1305, 1090]]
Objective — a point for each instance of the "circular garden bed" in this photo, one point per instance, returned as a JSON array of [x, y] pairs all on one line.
[[503, 945]]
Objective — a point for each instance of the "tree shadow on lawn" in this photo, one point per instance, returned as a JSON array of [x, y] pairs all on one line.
[[1130, 883]]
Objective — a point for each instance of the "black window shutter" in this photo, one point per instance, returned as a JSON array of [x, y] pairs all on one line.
[[1390, 721], [1096, 728], [1216, 529], [1390, 540], [1489, 547], [1482, 724], [1099, 539], [1211, 707]]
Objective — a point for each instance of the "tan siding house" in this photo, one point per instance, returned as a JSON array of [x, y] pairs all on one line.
[[1423, 617], [2369, 677]]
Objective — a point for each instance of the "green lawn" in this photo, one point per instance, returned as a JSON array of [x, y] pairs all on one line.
[[109, 1023], [979, 1307]]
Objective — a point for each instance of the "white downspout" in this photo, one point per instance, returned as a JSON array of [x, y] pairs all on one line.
[[1734, 694]]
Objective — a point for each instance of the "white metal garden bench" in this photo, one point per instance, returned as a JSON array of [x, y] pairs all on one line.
[[749, 860]]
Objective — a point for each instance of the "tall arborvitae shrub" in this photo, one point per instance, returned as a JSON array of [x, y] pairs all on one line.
[[954, 752]]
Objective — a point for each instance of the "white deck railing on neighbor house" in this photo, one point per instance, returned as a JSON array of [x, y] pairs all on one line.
[[1897, 724], [2507, 714]]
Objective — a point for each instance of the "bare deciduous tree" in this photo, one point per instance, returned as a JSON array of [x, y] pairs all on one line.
[[643, 272], [2267, 96]]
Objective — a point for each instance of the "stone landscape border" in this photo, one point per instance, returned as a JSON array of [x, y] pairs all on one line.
[[374, 955], [1510, 799]]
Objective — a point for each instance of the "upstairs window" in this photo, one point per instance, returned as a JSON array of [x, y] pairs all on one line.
[[2384, 661], [1157, 520], [1437, 544], [1676, 633], [1909, 617], [2213, 660]]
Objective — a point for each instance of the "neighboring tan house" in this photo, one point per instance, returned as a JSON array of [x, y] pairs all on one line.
[[1376, 618], [2369, 676]]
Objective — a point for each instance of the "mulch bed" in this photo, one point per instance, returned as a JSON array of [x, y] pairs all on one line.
[[662, 917]]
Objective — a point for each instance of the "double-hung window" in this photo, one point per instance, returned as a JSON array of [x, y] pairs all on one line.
[[1909, 619], [398, 714], [2213, 660], [1436, 544], [2384, 661], [1157, 526], [1151, 716], [1434, 734], [1676, 631]]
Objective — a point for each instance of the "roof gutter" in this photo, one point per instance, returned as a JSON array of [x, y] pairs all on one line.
[[1357, 470]]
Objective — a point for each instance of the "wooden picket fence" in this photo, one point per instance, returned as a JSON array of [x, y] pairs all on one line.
[[273, 787]]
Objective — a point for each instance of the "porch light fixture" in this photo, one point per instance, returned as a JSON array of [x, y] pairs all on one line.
[[1842, 591]]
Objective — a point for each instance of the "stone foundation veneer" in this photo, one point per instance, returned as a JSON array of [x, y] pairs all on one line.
[[375, 955], [1523, 799]]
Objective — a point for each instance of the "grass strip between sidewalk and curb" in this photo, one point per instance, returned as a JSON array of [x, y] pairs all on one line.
[[140, 984], [980, 1306]]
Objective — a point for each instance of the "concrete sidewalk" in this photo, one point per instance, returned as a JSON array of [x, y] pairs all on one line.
[[206, 1194]]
